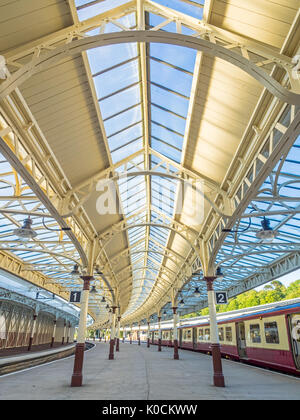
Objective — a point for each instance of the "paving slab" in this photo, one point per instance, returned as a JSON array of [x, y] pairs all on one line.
[[141, 373]]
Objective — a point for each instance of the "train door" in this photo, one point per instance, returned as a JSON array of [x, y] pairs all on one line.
[[194, 338], [294, 322], [241, 339]]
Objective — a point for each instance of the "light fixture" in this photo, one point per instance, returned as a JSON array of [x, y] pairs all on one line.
[[93, 290], [75, 273], [197, 291], [103, 299], [266, 234], [181, 303], [219, 273], [165, 313], [98, 271], [25, 232], [107, 306]]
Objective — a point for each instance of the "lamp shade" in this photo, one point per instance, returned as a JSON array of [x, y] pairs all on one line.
[[25, 232]]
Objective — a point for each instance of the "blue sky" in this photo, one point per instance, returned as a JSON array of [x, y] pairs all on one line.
[[286, 280]]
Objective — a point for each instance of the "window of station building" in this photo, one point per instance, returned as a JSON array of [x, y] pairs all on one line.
[[200, 334], [255, 333], [207, 334], [271, 333], [228, 332], [221, 334]]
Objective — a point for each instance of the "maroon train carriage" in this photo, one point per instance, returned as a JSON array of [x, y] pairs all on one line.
[[167, 337], [266, 335]]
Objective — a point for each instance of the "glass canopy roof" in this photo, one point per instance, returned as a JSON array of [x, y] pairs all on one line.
[[118, 79], [118, 82]]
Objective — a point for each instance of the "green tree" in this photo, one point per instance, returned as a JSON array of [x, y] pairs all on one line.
[[273, 292]]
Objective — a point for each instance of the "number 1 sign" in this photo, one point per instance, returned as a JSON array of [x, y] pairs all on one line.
[[75, 297]]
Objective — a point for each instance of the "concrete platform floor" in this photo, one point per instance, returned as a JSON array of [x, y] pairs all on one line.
[[138, 373]]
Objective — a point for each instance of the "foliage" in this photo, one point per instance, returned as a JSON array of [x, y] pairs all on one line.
[[273, 292]]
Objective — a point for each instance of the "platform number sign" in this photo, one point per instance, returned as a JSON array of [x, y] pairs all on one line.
[[75, 297], [221, 298]]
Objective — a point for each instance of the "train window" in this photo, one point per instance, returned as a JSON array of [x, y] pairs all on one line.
[[271, 333], [200, 334], [207, 334], [228, 331], [255, 333], [221, 334], [189, 334]]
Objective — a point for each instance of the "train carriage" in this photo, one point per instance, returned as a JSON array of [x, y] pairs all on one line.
[[267, 335]]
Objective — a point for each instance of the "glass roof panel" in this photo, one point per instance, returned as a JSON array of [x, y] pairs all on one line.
[[90, 8], [193, 8], [116, 79]]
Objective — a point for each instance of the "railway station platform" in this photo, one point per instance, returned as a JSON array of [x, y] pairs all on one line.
[[141, 373]]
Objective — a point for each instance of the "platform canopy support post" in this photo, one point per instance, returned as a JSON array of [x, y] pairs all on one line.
[[53, 332], [69, 331], [33, 328], [148, 334], [130, 334], [79, 351], [139, 335], [64, 334], [175, 333], [118, 334], [112, 334], [215, 345], [159, 333]]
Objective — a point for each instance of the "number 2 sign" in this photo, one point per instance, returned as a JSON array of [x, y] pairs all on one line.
[[221, 298]]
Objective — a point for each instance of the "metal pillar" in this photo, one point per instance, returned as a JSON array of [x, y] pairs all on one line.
[[139, 335], [159, 333], [118, 335], [130, 335], [175, 334], [148, 335], [69, 330], [215, 345], [64, 333], [112, 334], [79, 352], [53, 333], [32, 332]]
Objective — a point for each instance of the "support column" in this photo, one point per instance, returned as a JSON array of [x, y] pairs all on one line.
[[112, 334], [175, 334], [159, 333], [69, 330], [32, 331], [214, 335], [139, 335], [79, 351], [118, 335], [64, 334], [148, 335], [130, 335], [53, 333]]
